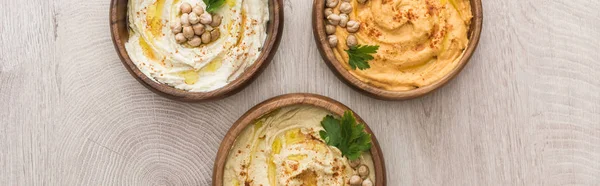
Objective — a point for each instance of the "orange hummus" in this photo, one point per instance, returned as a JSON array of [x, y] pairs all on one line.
[[420, 41]]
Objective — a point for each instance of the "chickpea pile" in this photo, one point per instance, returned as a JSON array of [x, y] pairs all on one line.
[[342, 20], [360, 179], [195, 26]]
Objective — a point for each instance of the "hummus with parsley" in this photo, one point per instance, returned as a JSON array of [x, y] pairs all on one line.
[[284, 148], [420, 41], [154, 50]]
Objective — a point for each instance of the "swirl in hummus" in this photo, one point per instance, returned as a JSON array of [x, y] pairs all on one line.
[[154, 50], [420, 41], [284, 148]]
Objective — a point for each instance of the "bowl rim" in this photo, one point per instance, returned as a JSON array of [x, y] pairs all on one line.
[[370, 90], [274, 33], [274, 103]]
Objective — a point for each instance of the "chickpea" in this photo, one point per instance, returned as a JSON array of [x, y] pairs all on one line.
[[180, 38], [198, 29], [329, 29], [214, 35], [327, 12], [334, 19], [351, 41], [355, 180], [345, 7], [185, 19], [205, 19], [352, 26], [363, 171], [331, 3], [186, 8], [333, 40], [198, 10], [193, 18], [188, 32], [176, 26], [205, 37], [354, 163], [195, 41], [343, 20], [216, 20], [367, 182]]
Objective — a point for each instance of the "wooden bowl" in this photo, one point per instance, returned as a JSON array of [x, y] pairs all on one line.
[[288, 100], [376, 92], [120, 35]]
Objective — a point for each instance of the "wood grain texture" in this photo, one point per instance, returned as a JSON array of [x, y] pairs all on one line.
[[524, 111]]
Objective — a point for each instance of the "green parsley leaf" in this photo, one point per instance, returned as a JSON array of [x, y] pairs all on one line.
[[213, 5], [360, 55], [332, 126], [345, 134]]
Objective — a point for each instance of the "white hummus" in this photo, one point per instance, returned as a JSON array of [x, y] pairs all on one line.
[[152, 46], [284, 148]]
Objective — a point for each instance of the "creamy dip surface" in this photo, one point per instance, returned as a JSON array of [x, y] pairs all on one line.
[[284, 148], [153, 49], [420, 41]]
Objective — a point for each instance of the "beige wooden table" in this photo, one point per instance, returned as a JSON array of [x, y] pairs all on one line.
[[525, 111]]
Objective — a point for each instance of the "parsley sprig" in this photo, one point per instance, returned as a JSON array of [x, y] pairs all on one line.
[[213, 5], [360, 55], [345, 134]]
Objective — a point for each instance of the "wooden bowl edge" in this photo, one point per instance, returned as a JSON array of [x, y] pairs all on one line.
[[275, 32], [381, 94], [288, 100]]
